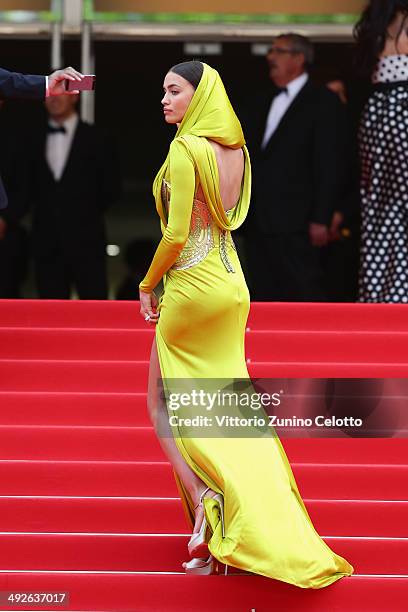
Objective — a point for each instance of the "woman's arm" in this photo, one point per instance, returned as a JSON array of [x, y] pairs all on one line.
[[182, 178]]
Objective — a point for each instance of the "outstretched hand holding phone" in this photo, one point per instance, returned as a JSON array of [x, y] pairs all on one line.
[[56, 81], [86, 84]]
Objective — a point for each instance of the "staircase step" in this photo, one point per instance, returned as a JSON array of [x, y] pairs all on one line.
[[165, 515], [73, 408], [76, 343], [327, 317], [342, 481], [345, 450], [126, 592], [165, 553], [261, 346], [71, 313], [79, 443], [326, 346], [95, 478], [263, 315], [74, 376], [324, 369], [144, 478], [141, 444], [116, 515], [131, 376], [130, 409]]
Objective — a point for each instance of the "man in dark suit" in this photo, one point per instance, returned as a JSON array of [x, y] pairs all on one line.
[[33, 87], [74, 178], [294, 135], [13, 235]]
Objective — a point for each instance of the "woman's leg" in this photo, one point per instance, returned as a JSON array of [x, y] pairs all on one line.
[[158, 415]]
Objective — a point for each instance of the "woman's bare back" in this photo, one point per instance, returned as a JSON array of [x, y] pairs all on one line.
[[231, 165]]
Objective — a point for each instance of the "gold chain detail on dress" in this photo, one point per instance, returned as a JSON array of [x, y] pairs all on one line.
[[224, 235], [200, 239], [165, 188]]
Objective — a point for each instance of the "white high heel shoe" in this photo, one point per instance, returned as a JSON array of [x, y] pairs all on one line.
[[203, 567], [197, 545]]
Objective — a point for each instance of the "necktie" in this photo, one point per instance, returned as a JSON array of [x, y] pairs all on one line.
[[280, 90], [55, 130]]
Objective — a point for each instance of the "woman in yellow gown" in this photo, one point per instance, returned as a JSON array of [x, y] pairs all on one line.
[[239, 493]]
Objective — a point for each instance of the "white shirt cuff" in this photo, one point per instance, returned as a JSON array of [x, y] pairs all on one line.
[[47, 91]]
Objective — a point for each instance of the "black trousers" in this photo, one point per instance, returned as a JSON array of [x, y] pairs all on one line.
[[284, 268], [13, 262], [58, 272]]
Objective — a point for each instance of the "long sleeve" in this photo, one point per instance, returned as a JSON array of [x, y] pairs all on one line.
[[14, 167], [182, 179], [16, 85]]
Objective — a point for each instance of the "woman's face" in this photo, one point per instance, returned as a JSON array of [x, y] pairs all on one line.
[[177, 97], [397, 38]]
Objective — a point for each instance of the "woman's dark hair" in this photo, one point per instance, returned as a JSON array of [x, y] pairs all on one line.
[[191, 71], [371, 31]]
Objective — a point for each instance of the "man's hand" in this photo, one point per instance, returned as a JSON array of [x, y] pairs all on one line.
[[319, 234], [337, 222], [56, 81], [3, 228]]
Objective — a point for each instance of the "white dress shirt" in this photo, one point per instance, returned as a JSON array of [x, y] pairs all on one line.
[[58, 145], [280, 105]]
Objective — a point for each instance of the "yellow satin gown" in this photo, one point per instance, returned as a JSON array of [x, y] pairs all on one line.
[[200, 335]]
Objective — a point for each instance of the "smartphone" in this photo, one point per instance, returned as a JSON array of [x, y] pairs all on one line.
[[87, 83]]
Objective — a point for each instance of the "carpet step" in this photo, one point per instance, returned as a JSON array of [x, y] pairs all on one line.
[[261, 346], [74, 376], [79, 443], [130, 409], [131, 376], [317, 317], [263, 315], [324, 369], [71, 313], [141, 444], [95, 478], [75, 408], [165, 553], [122, 592], [323, 346], [165, 515], [76, 343], [100, 478]]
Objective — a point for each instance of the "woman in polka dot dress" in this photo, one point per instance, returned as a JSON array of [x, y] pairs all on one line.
[[382, 37]]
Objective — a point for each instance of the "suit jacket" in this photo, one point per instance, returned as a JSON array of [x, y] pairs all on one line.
[[297, 177], [69, 214], [13, 166], [16, 85]]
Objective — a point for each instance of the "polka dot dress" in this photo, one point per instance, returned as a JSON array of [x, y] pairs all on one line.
[[383, 141]]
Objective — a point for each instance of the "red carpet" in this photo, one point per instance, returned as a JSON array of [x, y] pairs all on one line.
[[88, 502]]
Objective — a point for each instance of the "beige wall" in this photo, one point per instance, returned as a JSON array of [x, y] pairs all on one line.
[[25, 5], [231, 6]]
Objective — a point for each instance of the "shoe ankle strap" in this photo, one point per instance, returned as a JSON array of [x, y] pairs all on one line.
[[201, 497], [203, 493]]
